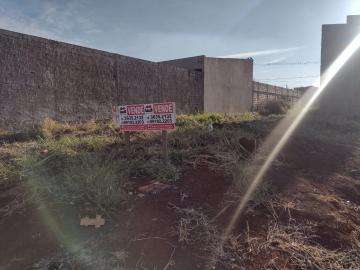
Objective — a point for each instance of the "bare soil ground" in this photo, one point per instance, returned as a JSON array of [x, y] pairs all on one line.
[[310, 219]]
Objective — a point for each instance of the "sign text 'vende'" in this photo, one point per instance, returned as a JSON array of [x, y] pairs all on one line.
[[139, 117]]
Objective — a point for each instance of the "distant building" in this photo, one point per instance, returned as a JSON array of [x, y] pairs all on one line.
[[227, 83], [304, 89], [343, 93]]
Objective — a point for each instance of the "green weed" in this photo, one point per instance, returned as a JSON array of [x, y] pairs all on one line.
[[275, 107], [89, 161], [197, 120]]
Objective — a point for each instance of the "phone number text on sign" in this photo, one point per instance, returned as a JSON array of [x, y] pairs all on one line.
[[140, 117]]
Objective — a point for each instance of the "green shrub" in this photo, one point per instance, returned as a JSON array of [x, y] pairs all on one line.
[[80, 177], [103, 181], [275, 107], [90, 162], [153, 168], [9, 173], [11, 137], [10, 170], [93, 168], [177, 157], [196, 120], [243, 175]]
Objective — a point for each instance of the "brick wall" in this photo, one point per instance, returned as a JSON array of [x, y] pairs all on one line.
[[43, 78], [264, 93]]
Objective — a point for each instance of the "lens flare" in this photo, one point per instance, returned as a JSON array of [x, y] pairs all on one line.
[[65, 237], [278, 138]]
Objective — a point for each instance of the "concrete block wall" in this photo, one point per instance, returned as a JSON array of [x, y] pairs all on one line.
[[192, 63], [227, 82], [342, 95], [44, 78], [227, 85]]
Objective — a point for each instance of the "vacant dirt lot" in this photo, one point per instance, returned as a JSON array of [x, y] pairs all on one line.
[[304, 215]]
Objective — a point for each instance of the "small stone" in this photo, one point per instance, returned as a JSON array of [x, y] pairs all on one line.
[[154, 187], [98, 221]]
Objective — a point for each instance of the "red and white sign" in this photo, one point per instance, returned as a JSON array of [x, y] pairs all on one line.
[[140, 117]]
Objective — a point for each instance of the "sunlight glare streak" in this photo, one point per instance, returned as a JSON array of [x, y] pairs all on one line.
[[328, 76]]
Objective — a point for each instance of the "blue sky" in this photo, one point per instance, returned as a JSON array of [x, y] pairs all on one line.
[[283, 36]]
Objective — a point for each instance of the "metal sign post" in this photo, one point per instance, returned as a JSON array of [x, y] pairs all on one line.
[[164, 139], [127, 140]]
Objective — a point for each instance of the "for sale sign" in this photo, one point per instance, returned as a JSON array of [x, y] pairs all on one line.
[[140, 117]]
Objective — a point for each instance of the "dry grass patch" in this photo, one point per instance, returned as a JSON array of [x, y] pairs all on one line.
[[298, 243], [194, 228]]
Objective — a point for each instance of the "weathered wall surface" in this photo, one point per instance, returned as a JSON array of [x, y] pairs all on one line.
[[196, 64], [228, 85], [227, 82], [192, 63], [342, 95], [43, 78]]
